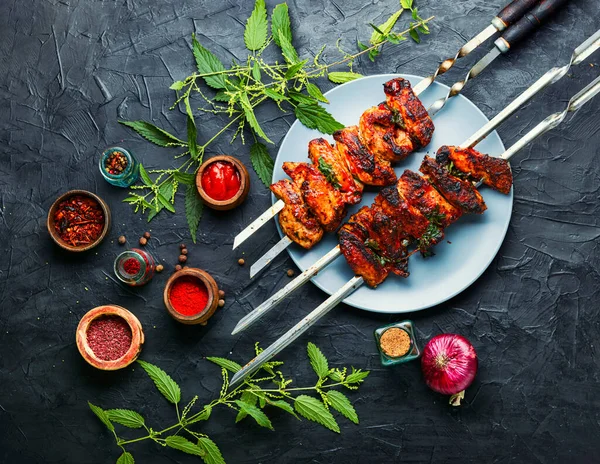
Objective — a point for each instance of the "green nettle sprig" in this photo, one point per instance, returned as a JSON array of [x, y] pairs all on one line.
[[238, 90], [249, 399]]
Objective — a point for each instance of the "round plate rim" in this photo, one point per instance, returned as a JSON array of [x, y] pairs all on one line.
[[412, 78]]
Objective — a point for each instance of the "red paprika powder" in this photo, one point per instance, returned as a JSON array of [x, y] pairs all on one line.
[[188, 296]]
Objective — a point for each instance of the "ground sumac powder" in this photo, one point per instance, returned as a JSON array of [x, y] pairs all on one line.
[[109, 337], [188, 296]]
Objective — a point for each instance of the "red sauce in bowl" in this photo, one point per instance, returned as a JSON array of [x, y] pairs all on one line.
[[221, 180]]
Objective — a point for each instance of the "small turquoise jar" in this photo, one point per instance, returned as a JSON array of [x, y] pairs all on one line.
[[130, 173], [401, 333]]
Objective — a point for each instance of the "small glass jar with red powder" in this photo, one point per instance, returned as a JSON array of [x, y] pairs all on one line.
[[134, 267], [191, 296], [223, 182]]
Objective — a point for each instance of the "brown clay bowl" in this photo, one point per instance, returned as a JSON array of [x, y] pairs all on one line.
[[137, 337], [213, 296], [234, 201], [54, 234]]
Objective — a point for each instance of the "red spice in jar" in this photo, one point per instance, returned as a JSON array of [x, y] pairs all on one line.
[[109, 337], [79, 220], [189, 296], [221, 180], [131, 266]]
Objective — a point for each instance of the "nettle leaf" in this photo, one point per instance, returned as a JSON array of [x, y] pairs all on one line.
[[280, 23], [184, 177], [312, 409], [342, 404], [177, 85], [317, 117], [315, 92], [259, 416], [383, 30], [193, 209], [165, 384], [294, 68], [204, 415], [255, 34], [341, 77], [251, 117], [300, 97], [415, 35], [192, 134], [126, 417], [225, 363], [262, 163], [249, 398], [182, 444], [154, 134], [274, 94], [154, 211], [256, 71], [287, 49], [207, 63], [281, 404], [102, 415], [406, 4], [126, 458], [145, 177], [166, 203], [356, 376], [318, 361], [213, 454]]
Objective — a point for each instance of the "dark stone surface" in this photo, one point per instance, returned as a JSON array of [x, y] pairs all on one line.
[[70, 68]]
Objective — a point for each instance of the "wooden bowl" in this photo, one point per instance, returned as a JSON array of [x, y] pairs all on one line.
[[54, 234], [238, 198], [213, 296], [137, 337]]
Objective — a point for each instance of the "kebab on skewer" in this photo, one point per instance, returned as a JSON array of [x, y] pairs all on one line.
[[491, 174], [576, 102], [362, 155]]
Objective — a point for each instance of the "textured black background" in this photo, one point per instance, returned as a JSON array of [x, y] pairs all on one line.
[[70, 68]]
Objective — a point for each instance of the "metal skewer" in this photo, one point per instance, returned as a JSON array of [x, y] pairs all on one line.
[[509, 14], [576, 102], [582, 52], [517, 32], [509, 39]]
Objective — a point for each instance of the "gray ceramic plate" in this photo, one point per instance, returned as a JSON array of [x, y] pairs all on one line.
[[474, 240]]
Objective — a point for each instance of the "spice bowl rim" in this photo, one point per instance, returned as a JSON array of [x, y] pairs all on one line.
[[54, 234], [235, 200], [128, 169], [211, 287], [137, 337]]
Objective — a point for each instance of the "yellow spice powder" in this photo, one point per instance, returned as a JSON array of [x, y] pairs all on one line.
[[395, 342]]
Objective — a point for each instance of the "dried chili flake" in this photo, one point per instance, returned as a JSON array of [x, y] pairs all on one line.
[[79, 220], [109, 337]]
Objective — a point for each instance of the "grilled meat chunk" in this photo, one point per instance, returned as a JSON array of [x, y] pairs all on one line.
[[413, 222], [494, 172], [361, 163], [421, 194], [459, 192], [295, 219], [382, 136], [324, 201], [327, 159], [411, 113], [361, 259]]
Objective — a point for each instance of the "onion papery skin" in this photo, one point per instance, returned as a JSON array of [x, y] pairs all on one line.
[[449, 363]]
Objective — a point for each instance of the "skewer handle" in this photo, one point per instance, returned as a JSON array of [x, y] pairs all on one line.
[[525, 26], [286, 291], [512, 13], [296, 331], [258, 223]]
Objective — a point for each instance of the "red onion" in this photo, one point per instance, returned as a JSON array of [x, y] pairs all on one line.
[[449, 364]]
